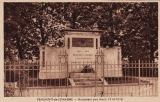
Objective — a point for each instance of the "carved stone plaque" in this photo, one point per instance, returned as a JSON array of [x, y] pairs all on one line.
[[82, 42]]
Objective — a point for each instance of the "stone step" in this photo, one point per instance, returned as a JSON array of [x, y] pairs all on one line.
[[88, 83], [82, 75], [86, 79]]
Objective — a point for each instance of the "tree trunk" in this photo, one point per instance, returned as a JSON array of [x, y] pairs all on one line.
[[74, 17], [42, 33], [19, 47], [151, 49], [111, 25]]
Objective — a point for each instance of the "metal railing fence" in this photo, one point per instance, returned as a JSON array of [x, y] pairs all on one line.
[[80, 79]]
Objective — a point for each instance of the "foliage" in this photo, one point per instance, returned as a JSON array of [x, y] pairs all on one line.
[[22, 79], [133, 25], [8, 91]]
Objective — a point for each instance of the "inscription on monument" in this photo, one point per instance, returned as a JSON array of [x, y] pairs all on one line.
[[81, 55], [82, 42]]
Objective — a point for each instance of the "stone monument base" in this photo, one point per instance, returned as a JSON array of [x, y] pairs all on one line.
[[52, 75], [109, 73], [81, 75], [63, 74]]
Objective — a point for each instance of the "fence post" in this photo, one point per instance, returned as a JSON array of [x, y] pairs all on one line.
[[139, 75], [67, 79], [95, 76], [103, 72], [96, 59]]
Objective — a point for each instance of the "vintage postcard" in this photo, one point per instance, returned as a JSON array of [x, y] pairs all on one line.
[[79, 51]]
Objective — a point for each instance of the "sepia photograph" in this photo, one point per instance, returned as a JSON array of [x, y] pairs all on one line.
[[80, 49]]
